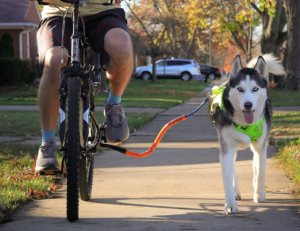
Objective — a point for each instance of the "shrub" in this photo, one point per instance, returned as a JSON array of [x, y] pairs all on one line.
[[7, 45], [14, 71], [28, 75]]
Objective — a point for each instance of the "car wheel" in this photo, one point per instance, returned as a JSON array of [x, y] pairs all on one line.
[[206, 78], [146, 76], [185, 76], [212, 76]]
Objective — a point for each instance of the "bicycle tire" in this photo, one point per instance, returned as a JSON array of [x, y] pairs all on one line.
[[86, 167], [73, 148], [86, 164]]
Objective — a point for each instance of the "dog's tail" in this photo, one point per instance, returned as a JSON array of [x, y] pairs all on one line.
[[273, 64]]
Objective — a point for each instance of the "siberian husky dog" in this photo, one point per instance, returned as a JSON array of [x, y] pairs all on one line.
[[244, 105]]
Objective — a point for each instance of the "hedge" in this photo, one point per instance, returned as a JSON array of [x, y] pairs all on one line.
[[14, 71], [7, 45]]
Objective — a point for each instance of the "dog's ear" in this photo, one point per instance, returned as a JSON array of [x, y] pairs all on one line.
[[261, 67], [236, 66]]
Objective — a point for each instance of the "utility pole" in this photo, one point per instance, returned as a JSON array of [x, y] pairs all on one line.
[[249, 43], [210, 41]]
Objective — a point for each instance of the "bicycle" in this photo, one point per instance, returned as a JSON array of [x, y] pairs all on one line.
[[81, 135]]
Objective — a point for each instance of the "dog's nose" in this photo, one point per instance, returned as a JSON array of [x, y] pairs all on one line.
[[248, 105]]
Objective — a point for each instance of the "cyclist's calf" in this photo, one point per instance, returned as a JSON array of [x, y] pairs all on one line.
[[48, 90]]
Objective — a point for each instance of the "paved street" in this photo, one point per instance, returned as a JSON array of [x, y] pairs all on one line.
[[178, 187]]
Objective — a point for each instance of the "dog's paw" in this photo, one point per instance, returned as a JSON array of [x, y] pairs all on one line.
[[259, 197], [230, 209], [238, 196]]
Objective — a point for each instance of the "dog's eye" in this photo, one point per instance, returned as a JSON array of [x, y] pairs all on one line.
[[255, 89], [240, 89]]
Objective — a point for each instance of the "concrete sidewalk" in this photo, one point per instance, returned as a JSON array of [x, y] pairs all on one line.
[[178, 187]]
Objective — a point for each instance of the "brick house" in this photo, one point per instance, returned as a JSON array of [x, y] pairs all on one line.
[[21, 19]]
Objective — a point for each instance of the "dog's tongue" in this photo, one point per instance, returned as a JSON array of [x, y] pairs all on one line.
[[248, 116]]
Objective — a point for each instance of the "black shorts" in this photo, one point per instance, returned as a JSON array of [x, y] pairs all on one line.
[[96, 27]]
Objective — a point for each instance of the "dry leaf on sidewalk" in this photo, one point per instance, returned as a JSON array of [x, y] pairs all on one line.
[[267, 189]]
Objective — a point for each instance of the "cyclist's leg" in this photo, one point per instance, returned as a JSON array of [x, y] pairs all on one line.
[[111, 39], [117, 44], [48, 96]]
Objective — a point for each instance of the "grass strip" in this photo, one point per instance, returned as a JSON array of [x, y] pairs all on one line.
[[139, 93], [27, 123], [289, 160], [19, 182], [286, 123], [284, 98]]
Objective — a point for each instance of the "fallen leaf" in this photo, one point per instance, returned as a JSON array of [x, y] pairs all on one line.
[[53, 187], [267, 189], [15, 162]]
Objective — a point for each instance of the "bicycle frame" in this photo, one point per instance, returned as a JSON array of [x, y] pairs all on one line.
[[77, 69]]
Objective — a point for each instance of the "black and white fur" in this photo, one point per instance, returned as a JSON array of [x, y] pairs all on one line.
[[247, 89]]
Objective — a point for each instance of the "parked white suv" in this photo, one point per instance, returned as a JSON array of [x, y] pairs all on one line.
[[173, 68]]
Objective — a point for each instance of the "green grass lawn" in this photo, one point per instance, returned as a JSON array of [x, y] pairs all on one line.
[[18, 179], [27, 123], [284, 98], [289, 160], [139, 93], [286, 123]]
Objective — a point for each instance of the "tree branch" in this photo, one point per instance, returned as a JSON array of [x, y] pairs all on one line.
[[256, 8], [238, 42], [256, 44], [139, 20]]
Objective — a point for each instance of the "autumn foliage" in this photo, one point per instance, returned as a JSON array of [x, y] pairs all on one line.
[[181, 29]]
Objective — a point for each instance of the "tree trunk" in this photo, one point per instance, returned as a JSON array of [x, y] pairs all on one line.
[[154, 69], [293, 47], [272, 35]]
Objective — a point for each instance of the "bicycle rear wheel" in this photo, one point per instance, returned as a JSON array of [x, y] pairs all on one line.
[[86, 164], [73, 148]]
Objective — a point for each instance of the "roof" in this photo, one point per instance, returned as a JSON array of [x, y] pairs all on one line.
[[14, 11]]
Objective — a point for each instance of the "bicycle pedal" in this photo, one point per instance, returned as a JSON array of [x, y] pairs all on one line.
[[46, 173]]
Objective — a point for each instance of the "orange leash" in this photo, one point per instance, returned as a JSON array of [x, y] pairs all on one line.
[[158, 138]]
